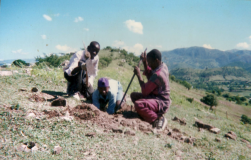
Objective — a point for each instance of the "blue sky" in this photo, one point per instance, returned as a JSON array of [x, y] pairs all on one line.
[[29, 28]]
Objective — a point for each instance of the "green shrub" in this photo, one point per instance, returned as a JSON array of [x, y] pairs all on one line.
[[210, 100], [104, 62], [245, 119], [186, 84], [19, 63], [190, 100], [172, 77], [52, 60]]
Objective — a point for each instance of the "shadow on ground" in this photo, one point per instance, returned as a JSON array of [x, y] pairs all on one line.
[[55, 94]]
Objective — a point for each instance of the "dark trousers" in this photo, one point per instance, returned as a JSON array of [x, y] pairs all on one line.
[[76, 84]]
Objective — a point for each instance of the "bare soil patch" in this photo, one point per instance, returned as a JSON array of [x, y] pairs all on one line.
[[52, 114], [36, 98], [125, 121]]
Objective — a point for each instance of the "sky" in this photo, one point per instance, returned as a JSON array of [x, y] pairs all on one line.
[[31, 28]]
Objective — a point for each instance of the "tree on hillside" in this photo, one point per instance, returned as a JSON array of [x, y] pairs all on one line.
[[19, 63], [210, 100]]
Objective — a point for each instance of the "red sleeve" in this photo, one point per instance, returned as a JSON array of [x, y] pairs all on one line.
[[148, 72], [148, 88]]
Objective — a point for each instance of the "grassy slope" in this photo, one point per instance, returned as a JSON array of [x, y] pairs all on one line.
[[15, 129]]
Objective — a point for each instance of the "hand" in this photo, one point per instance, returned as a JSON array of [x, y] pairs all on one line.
[[87, 55], [143, 56], [83, 66], [137, 70]]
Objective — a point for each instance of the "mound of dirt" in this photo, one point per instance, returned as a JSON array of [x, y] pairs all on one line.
[[114, 123], [36, 98], [52, 114]]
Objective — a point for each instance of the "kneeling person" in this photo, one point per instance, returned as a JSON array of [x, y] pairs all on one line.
[[154, 100], [109, 92]]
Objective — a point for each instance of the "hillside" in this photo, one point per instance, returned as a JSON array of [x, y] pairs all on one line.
[[88, 139], [201, 58], [222, 78]]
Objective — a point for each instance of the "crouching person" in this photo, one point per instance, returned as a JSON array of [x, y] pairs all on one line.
[[154, 101], [82, 70], [109, 92]]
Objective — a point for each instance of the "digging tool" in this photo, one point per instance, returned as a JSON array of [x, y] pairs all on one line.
[[130, 84], [86, 78]]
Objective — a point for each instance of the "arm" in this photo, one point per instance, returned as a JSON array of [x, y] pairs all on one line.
[[148, 88], [111, 104], [95, 99]]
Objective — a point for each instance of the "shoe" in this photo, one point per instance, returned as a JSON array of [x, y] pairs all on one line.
[[76, 95], [160, 123]]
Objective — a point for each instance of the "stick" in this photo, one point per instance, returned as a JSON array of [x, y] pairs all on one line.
[[130, 83], [86, 77]]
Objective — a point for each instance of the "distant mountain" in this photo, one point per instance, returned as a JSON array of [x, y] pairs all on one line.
[[201, 58]]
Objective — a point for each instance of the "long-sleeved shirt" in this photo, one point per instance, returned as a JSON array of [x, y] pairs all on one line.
[[157, 87], [111, 96], [91, 65]]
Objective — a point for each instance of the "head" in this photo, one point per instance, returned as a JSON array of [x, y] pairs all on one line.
[[154, 59], [93, 48], [103, 86]]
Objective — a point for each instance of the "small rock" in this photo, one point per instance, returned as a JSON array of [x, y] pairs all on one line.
[[90, 134], [67, 117], [189, 140], [30, 115], [34, 149], [178, 153], [217, 139], [231, 135], [117, 130], [183, 121], [59, 102], [215, 130], [97, 113], [57, 150], [245, 141], [176, 130], [143, 127], [130, 132], [21, 147], [34, 89], [22, 89]]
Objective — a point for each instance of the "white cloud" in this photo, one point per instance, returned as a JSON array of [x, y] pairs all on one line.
[[86, 29], [137, 49], [242, 45], [65, 48], [19, 51], [56, 15], [78, 19], [134, 26], [43, 36], [48, 18], [208, 46], [1, 59], [118, 44]]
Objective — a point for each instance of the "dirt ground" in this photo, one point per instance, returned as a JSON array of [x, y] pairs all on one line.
[[125, 118]]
